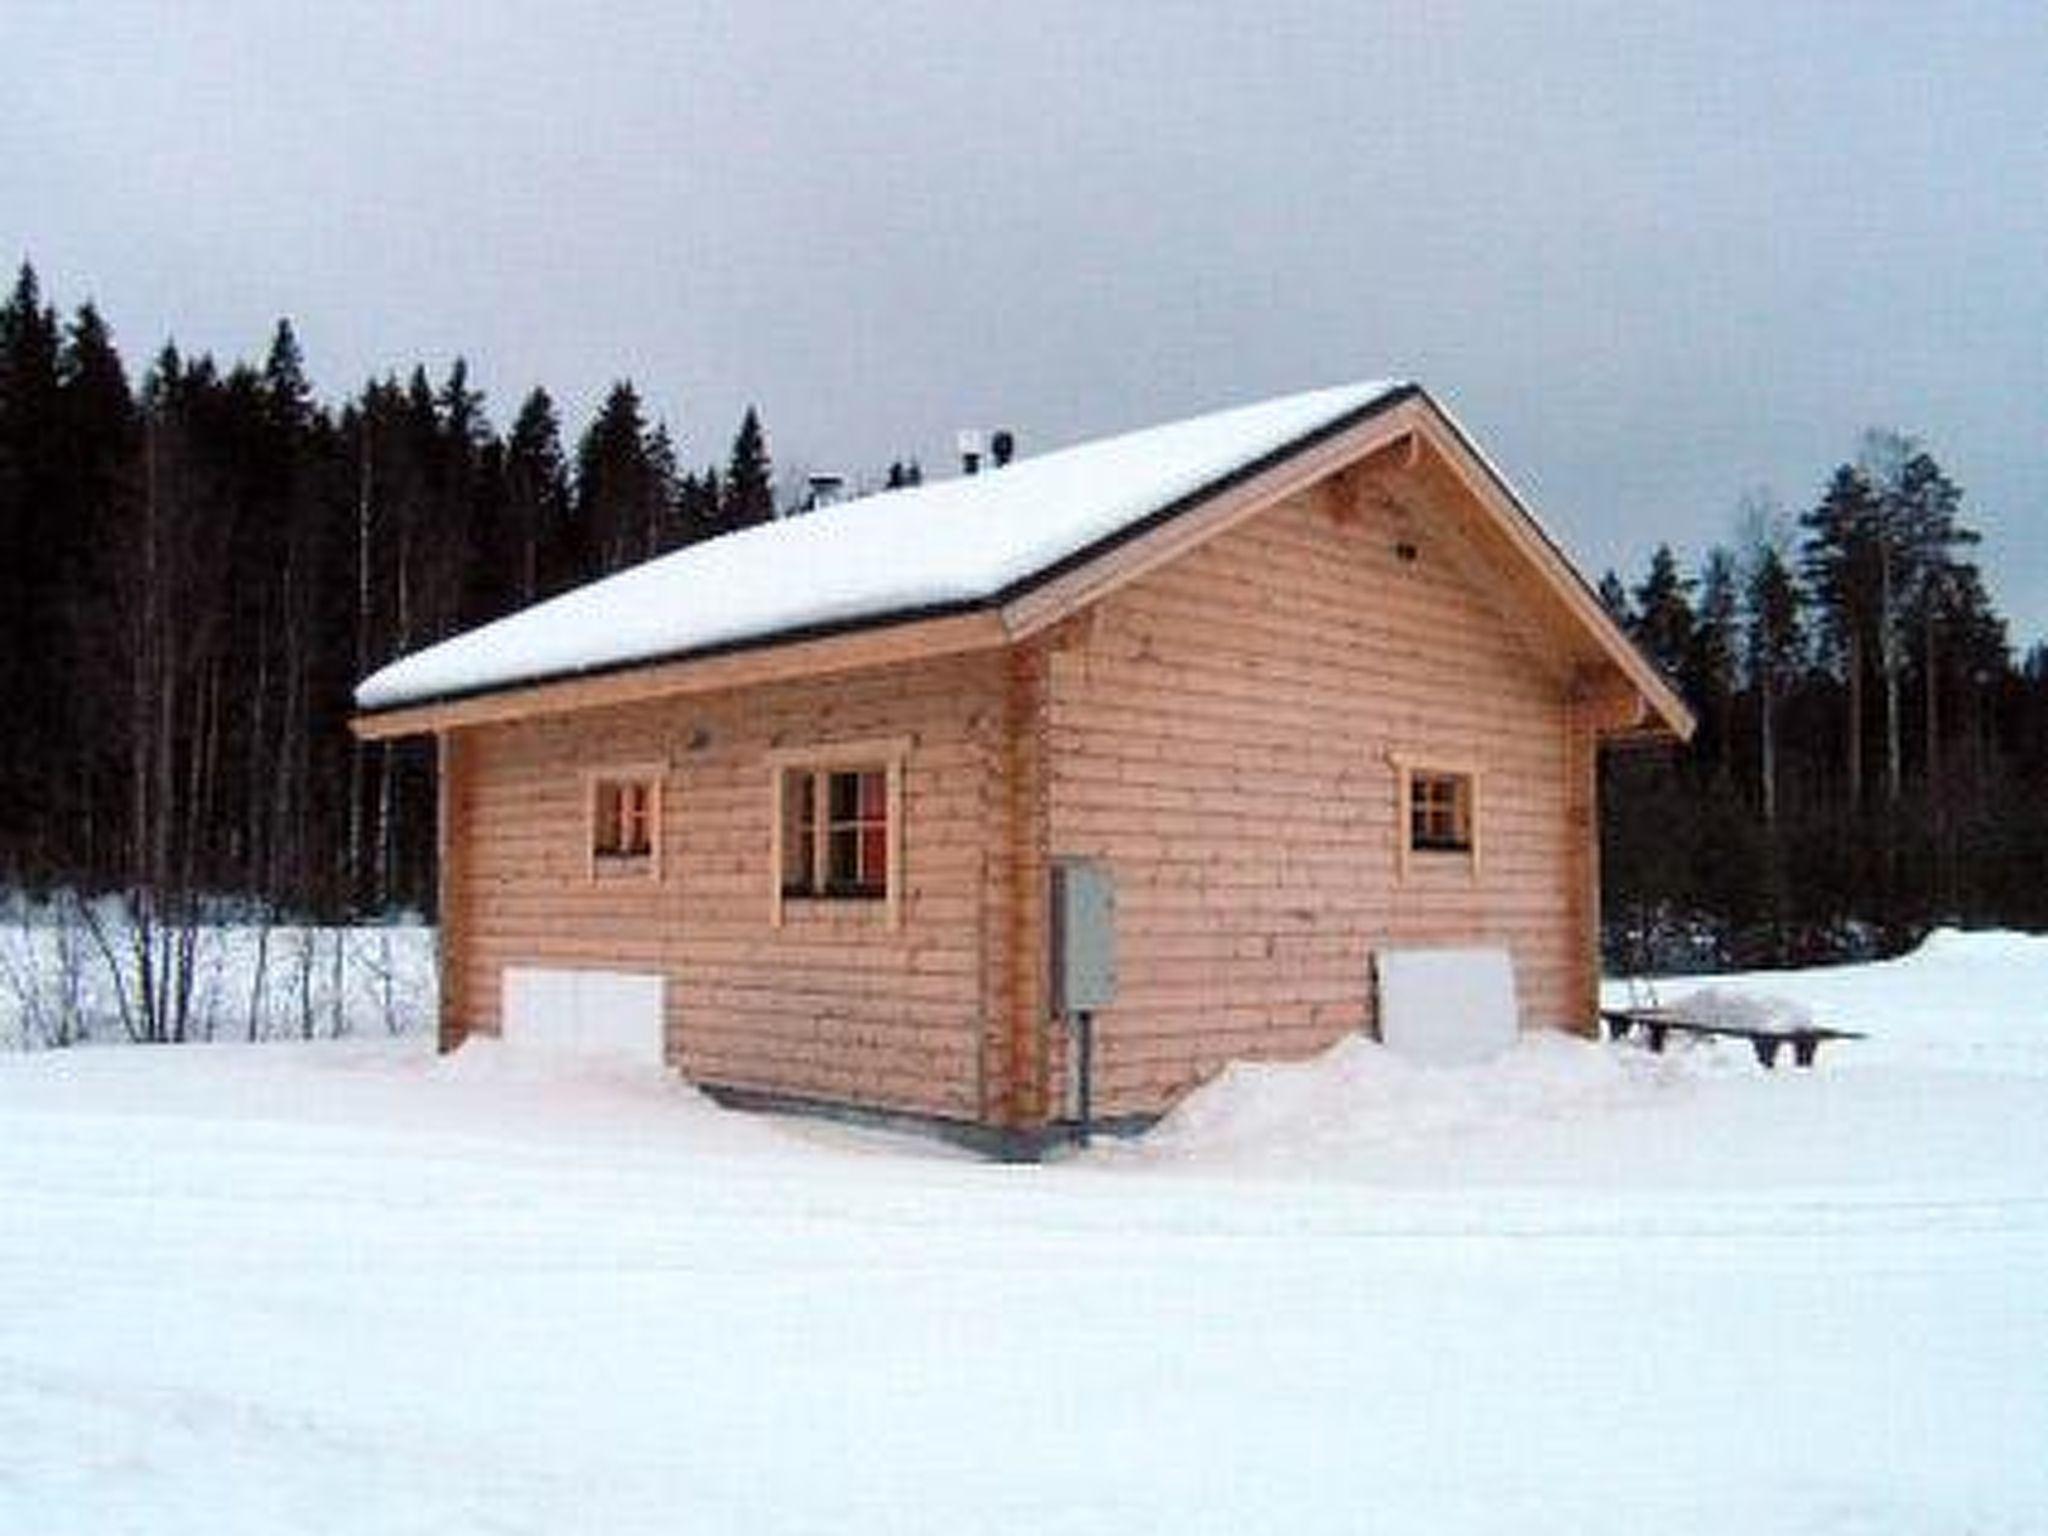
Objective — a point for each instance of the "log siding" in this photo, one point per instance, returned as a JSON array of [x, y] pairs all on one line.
[[1229, 737], [879, 1003], [1227, 730]]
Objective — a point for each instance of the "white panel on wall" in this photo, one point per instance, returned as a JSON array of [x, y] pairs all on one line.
[[613, 1016], [1447, 1007]]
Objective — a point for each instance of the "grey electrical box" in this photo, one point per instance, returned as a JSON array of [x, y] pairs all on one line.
[[1083, 936]]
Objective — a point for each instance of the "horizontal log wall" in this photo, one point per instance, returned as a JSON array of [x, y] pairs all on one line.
[[836, 1003], [1015, 910], [1221, 733]]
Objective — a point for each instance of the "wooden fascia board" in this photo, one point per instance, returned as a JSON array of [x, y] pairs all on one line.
[[1043, 606], [1546, 560], [914, 641]]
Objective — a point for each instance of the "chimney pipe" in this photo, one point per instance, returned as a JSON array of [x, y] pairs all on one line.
[[968, 439], [822, 490]]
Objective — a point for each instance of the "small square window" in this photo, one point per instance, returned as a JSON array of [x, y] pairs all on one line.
[[1437, 813], [625, 821], [1440, 812]]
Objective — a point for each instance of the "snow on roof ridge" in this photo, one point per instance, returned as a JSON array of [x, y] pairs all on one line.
[[947, 543]]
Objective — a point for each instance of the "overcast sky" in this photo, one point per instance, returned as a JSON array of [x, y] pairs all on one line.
[[1654, 258]]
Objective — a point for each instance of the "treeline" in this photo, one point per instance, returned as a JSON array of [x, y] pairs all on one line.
[[197, 566], [1870, 761]]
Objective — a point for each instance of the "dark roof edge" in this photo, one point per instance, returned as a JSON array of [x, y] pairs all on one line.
[[827, 629], [1396, 396], [1137, 529], [831, 629]]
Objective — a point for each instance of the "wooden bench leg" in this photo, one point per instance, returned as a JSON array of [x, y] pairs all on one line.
[[1766, 1050], [1617, 1026], [1656, 1038], [1803, 1049]]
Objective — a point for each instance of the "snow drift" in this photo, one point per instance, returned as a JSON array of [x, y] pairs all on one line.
[[352, 1287]]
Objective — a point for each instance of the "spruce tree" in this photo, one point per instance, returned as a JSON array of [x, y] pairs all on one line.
[[101, 439], [1664, 616], [467, 493], [748, 496], [697, 509], [1614, 598], [285, 387], [1709, 670], [537, 499], [31, 563], [663, 496], [614, 483]]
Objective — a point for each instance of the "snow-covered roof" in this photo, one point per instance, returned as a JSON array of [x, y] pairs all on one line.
[[947, 545]]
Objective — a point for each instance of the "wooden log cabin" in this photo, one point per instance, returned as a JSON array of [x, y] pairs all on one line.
[[1305, 678]]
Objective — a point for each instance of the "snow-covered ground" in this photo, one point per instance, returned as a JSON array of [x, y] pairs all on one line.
[[346, 1287]]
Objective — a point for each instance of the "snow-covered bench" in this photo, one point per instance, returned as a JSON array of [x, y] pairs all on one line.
[[1765, 1038]]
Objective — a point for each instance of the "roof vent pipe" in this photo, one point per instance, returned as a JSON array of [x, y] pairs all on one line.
[[969, 442], [1002, 446], [821, 490]]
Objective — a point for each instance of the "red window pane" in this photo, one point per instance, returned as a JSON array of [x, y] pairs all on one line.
[[874, 796], [626, 830], [846, 816]]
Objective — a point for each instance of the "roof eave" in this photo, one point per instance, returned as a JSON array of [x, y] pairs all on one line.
[[435, 711], [1080, 578], [817, 650]]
